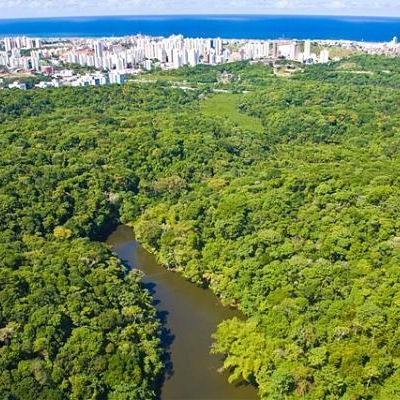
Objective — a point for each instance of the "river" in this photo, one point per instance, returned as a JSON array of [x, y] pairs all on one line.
[[190, 315]]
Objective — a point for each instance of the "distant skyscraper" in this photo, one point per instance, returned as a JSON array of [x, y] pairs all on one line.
[[98, 49], [98, 62], [8, 42], [226, 54], [176, 58], [217, 46], [90, 61], [324, 56], [35, 61], [307, 49], [266, 49], [193, 57], [18, 42], [275, 49], [294, 51], [211, 57]]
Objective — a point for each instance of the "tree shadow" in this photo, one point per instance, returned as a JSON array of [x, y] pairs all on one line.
[[127, 266], [166, 337]]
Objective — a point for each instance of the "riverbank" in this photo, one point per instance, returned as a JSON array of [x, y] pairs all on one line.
[[190, 315]]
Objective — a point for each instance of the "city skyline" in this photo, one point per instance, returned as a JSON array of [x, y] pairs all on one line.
[[74, 8]]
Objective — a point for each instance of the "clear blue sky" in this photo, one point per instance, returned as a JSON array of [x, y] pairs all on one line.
[[48, 8]]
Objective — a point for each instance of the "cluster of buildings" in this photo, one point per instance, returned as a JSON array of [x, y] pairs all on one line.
[[112, 58], [144, 52], [292, 51], [387, 49], [14, 49], [135, 53], [11, 43], [68, 78]]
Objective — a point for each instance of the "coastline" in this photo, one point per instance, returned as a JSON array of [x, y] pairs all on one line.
[[227, 26]]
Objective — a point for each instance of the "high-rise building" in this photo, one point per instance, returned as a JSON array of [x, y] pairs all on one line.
[[217, 46], [176, 58], [324, 56], [4, 60], [307, 49], [294, 51], [184, 57], [18, 42], [8, 43], [266, 49], [35, 61], [226, 54], [275, 52], [193, 57], [90, 61], [212, 57], [98, 62], [163, 56], [98, 49]]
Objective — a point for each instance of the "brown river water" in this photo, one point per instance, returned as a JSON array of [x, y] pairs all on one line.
[[190, 315]]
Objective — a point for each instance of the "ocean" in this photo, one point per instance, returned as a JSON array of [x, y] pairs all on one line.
[[371, 29]]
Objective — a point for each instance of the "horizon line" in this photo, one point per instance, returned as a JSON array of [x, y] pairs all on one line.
[[199, 15]]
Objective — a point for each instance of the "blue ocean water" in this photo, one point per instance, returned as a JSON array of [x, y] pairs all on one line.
[[225, 26]]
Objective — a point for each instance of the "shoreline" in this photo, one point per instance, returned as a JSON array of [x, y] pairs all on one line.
[[227, 26]]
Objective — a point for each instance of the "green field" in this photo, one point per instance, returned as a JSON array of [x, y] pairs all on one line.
[[225, 105]]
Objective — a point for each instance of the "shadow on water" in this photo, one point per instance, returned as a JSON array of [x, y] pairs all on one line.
[[188, 317], [167, 339], [166, 336], [125, 263]]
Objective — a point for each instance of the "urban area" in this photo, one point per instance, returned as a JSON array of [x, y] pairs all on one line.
[[93, 62]]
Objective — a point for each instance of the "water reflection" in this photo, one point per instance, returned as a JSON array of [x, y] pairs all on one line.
[[189, 315]]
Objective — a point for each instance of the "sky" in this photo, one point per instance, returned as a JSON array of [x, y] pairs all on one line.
[[51, 8]]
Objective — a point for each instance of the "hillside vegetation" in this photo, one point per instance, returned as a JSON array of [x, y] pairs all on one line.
[[284, 200]]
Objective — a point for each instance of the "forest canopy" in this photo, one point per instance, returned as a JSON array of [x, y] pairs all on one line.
[[280, 194]]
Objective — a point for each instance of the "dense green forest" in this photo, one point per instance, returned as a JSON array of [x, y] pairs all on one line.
[[280, 194]]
